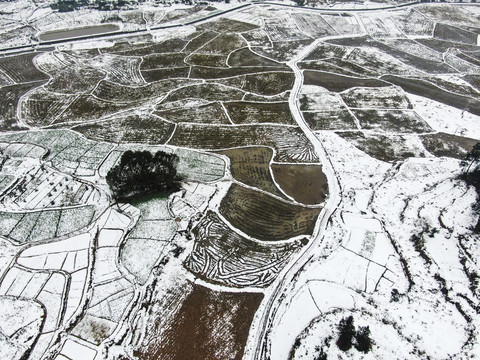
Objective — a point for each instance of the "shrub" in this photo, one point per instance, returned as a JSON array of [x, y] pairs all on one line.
[[321, 356], [140, 173], [395, 296]]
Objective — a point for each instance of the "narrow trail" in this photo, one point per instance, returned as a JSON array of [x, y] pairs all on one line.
[[258, 345]]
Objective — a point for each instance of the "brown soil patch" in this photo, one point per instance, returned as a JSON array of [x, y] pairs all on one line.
[[442, 144], [251, 166], [199, 41], [209, 114], [392, 121], [210, 325], [207, 60], [162, 74], [330, 120], [9, 98], [209, 92], [264, 217], [246, 57], [268, 83], [290, 143], [146, 129], [223, 44], [87, 107], [107, 90], [127, 49], [199, 72], [338, 83], [307, 184], [21, 69], [157, 61], [242, 112]]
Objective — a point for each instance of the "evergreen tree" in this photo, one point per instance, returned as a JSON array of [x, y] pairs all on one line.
[[321, 356], [347, 332], [471, 175], [363, 342], [471, 161]]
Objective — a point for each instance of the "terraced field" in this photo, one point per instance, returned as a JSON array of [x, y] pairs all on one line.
[[21, 69], [222, 256], [209, 91], [252, 166], [245, 209]]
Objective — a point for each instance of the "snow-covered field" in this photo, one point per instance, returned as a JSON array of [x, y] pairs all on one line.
[[365, 249], [380, 106]]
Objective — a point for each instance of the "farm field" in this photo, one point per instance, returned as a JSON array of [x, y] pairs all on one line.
[[252, 166], [324, 163], [227, 310], [244, 209]]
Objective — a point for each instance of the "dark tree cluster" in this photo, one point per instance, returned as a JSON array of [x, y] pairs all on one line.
[[349, 337], [140, 173], [106, 5], [71, 5], [471, 175], [471, 167]]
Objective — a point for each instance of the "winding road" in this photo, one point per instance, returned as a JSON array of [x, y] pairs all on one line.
[[273, 295]]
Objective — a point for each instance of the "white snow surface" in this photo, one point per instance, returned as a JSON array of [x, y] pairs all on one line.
[[357, 266], [445, 118], [20, 322], [75, 351]]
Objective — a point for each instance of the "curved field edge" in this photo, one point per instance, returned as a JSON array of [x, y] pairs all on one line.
[[264, 217]]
